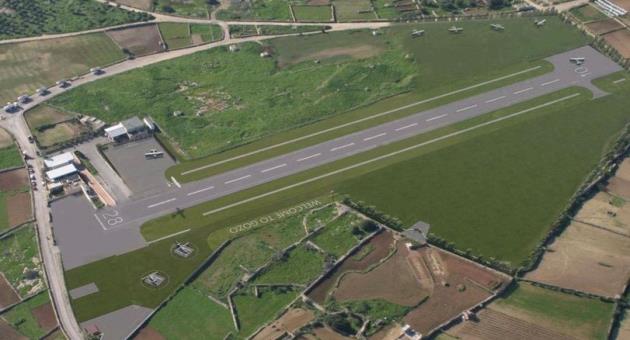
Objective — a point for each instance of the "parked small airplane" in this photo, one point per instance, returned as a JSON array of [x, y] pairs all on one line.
[[417, 33], [540, 23], [154, 153], [455, 29], [577, 60], [497, 27]]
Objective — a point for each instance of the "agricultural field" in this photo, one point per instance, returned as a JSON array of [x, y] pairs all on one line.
[[229, 109], [254, 311], [239, 31], [15, 199], [36, 17], [146, 5], [6, 139], [588, 13], [290, 321], [620, 40], [138, 41], [20, 261], [619, 185], [321, 13], [623, 332], [343, 234], [179, 35], [33, 318], [539, 313], [186, 8], [604, 26], [354, 10], [28, 65], [10, 157], [263, 10], [51, 126]]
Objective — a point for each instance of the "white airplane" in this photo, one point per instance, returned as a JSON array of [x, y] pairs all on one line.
[[497, 27], [417, 33], [577, 60], [154, 153], [455, 29], [540, 23]]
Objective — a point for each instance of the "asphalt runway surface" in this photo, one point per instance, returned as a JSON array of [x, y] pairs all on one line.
[[127, 217]]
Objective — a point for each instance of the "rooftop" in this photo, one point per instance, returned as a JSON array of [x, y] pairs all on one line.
[[59, 160]]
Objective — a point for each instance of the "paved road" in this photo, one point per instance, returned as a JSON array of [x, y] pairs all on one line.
[[133, 213]]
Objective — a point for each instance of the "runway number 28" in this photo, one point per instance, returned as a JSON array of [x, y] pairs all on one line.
[[112, 218]]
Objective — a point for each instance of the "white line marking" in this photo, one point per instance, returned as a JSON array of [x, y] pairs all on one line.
[[406, 127], [619, 81], [437, 117], [274, 168], [550, 82], [341, 147], [494, 99], [309, 157], [238, 179], [200, 191], [404, 107], [99, 222], [467, 108], [585, 74], [169, 236], [161, 203], [374, 137], [524, 90], [176, 182], [376, 159]]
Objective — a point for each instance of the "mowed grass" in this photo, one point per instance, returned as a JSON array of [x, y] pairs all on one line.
[[569, 314], [28, 65], [21, 317], [10, 157]]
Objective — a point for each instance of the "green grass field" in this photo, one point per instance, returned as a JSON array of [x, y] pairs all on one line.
[[175, 35], [567, 313], [254, 311], [205, 33], [263, 10], [21, 318], [337, 237], [45, 115], [37, 17], [354, 10], [18, 251], [313, 13], [192, 8], [300, 266], [26, 66], [10, 157]]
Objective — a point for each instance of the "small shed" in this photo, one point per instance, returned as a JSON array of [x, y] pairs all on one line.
[[116, 133]]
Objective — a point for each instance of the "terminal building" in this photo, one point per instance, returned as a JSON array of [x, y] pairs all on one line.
[[61, 167]]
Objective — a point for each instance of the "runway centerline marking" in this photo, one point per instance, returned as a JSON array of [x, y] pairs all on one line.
[[494, 99], [404, 107], [374, 137], [437, 117], [161, 203], [342, 147], [467, 108], [391, 154], [406, 127], [200, 191], [309, 157], [524, 90], [550, 82], [274, 168], [238, 179]]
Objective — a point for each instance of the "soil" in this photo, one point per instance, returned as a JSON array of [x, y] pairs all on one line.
[[494, 325], [291, 321], [620, 184], [8, 333], [5, 138], [196, 39], [45, 316], [620, 40], [8, 296], [13, 180], [601, 211], [324, 333], [381, 244], [587, 259], [19, 208], [604, 26], [625, 4], [148, 333], [140, 41], [405, 290], [392, 332]]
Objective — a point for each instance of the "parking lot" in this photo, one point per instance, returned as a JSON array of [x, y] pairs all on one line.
[[144, 177]]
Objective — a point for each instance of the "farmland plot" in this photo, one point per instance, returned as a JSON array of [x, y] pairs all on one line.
[[139, 41]]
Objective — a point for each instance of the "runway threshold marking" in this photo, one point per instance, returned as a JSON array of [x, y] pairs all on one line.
[[523, 90], [308, 157], [494, 99], [99, 222], [176, 182], [437, 117], [161, 203], [379, 158], [550, 82], [200, 191], [466, 108], [585, 74], [374, 137], [237, 179], [406, 127], [274, 168], [342, 147], [358, 121]]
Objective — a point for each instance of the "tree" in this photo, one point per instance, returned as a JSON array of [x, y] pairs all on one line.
[[498, 4]]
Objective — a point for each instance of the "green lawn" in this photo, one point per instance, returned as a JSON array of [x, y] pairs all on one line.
[[175, 35], [21, 318], [313, 13], [263, 10], [567, 313], [18, 251], [26, 66], [10, 157], [207, 33], [337, 237], [253, 311], [37, 17], [300, 266], [192, 315], [354, 10], [189, 8]]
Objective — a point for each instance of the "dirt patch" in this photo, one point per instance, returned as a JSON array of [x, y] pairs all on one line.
[[607, 212], [148, 333], [620, 40], [45, 317], [8, 296], [625, 4], [5, 139], [381, 246], [604, 26], [459, 285], [494, 325], [324, 333], [142, 40], [56, 335], [146, 5], [4, 10], [405, 290], [620, 184], [356, 52], [588, 259], [19, 208], [392, 332], [13, 180], [291, 321], [8, 333], [196, 39]]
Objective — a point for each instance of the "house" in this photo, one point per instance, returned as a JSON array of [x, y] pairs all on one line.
[[58, 161]]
